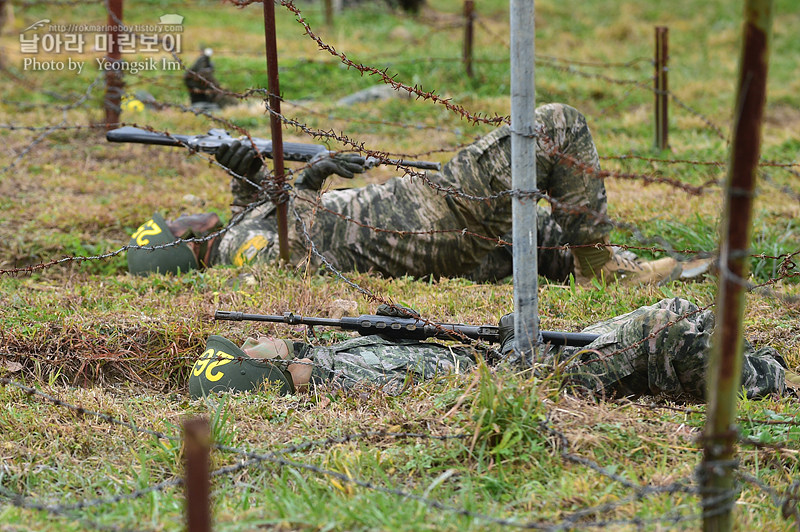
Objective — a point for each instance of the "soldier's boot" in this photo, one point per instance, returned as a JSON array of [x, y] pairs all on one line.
[[602, 263], [197, 226], [792, 381]]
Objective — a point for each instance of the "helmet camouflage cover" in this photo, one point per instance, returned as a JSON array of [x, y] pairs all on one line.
[[172, 259], [223, 367]]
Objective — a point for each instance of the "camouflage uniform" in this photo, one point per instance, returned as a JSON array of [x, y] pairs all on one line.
[[409, 204], [391, 364], [624, 359], [636, 353], [204, 90]]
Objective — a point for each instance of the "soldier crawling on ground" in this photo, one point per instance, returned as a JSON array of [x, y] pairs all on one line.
[[660, 349], [442, 246]]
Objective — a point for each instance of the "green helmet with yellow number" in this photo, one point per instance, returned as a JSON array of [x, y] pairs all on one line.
[[172, 259], [223, 367]]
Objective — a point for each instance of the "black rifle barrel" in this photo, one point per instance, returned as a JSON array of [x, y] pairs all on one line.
[[135, 135], [406, 328], [292, 151]]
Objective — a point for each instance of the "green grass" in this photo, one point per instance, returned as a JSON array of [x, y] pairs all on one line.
[[93, 336]]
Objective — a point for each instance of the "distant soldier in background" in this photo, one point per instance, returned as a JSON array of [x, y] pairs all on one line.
[[205, 92], [409, 6]]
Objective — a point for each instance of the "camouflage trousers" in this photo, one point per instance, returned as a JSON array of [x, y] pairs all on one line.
[[390, 364], [447, 223], [662, 349], [658, 349]]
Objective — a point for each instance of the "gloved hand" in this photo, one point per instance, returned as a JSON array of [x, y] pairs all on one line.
[[324, 164], [396, 311], [505, 330], [240, 158]]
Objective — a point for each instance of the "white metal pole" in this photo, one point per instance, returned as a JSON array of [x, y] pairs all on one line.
[[523, 171]]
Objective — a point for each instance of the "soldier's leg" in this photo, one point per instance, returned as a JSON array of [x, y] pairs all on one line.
[[554, 262], [566, 163], [567, 166], [762, 372], [651, 350], [579, 200]]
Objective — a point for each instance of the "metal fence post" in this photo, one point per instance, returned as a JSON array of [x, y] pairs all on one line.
[[523, 172], [196, 440], [114, 83], [661, 88], [329, 13], [725, 365], [469, 23], [274, 102]]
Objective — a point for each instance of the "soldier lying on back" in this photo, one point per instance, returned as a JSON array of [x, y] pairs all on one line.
[[341, 222]]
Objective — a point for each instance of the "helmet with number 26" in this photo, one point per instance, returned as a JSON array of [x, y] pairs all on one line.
[[223, 367]]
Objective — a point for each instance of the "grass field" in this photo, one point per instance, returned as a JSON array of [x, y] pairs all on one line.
[[487, 450]]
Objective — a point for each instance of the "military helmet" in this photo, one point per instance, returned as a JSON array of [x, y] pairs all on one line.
[[223, 367], [172, 259]]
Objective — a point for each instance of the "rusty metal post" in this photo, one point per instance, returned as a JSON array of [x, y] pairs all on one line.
[[114, 83], [3, 16], [275, 123], [469, 24], [661, 87], [725, 364], [196, 441], [329, 13]]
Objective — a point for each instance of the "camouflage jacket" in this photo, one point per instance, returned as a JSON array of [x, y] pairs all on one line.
[[421, 226]]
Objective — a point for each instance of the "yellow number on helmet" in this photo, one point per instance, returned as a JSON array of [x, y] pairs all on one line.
[[248, 251], [222, 358], [149, 228], [201, 363]]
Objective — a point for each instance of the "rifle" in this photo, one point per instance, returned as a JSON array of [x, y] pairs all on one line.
[[407, 328], [292, 151]]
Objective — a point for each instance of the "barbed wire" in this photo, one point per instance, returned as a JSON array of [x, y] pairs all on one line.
[[47, 132], [254, 458], [570, 68], [786, 267], [569, 521], [178, 242], [384, 76]]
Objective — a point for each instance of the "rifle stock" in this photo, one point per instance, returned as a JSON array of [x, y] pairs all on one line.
[[406, 328], [142, 136]]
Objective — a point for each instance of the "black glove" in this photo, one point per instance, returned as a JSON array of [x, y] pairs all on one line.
[[396, 311], [505, 330], [241, 159], [324, 164]]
